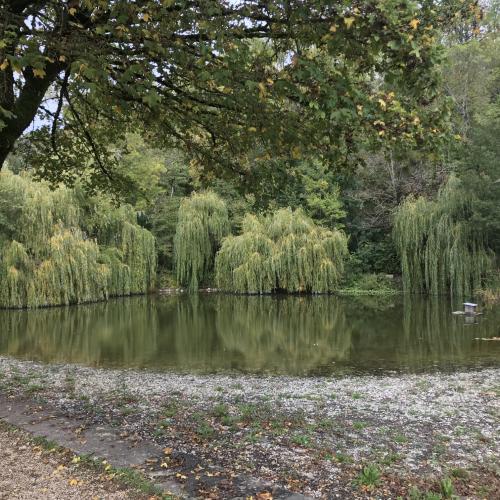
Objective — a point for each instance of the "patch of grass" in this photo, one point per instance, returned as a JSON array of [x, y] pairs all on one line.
[[301, 440], [312, 397], [164, 423], [439, 449], [157, 433], [253, 437], [124, 398], [390, 458], [278, 426], [205, 431], [128, 410], [170, 410], [423, 384], [326, 424], [228, 421], [34, 388], [220, 411], [343, 458], [369, 284], [22, 379], [248, 411], [446, 486], [356, 395], [45, 443], [460, 473], [369, 476], [359, 426], [400, 438], [416, 494], [137, 481]]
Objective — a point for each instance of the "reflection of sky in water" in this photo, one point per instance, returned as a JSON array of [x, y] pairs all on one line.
[[258, 334]]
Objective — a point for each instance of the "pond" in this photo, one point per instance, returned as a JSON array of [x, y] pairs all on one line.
[[293, 335]]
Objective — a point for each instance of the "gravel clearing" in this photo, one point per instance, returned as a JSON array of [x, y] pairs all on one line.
[[28, 472], [311, 436]]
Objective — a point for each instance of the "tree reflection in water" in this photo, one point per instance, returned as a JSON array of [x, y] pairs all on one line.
[[278, 334]]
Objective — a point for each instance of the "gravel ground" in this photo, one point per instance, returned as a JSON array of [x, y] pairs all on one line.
[[28, 471], [312, 436]]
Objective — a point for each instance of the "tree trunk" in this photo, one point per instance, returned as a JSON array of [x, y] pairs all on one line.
[[24, 108]]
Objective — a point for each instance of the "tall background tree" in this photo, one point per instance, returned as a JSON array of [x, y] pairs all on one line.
[[324, 78]]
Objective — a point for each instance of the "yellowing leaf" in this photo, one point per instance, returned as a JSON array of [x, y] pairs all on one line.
[[252, 129], [333, 28], [264, 495], [62, 58], [58, 469], [414, 23], [73, 482], [167, 451], [146, 17], [296, 154], [39, 73], [4, 65], [72, 11], [262, 90], [348, 21], [382, 104]]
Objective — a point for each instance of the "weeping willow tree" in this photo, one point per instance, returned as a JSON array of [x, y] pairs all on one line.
[[57, 251], [285, 251], [440, 250], [202, 223]]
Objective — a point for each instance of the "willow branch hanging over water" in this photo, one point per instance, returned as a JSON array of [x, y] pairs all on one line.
[[61, 247], [202, 223], [440, 250], [285, 251]]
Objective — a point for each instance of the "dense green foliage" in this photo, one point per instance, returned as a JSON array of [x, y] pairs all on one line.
[[60, 247], [203, 222], [294, 78], [439, 248], [450, 243], [321, 112], [285, 251]]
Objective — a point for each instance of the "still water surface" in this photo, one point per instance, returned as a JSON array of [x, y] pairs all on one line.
[[291, 335]]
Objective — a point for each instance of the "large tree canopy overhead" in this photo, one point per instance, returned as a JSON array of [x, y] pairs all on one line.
[[287, 77]]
